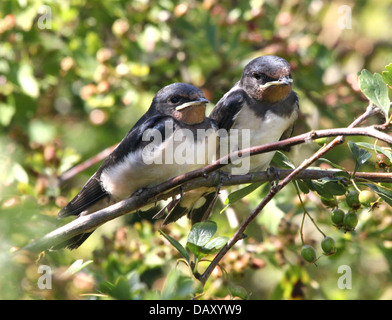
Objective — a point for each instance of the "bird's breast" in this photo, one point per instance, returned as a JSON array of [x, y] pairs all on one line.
[[181, 152], [254, 130]]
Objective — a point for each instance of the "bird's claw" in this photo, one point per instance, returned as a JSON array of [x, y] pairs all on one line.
[[273, 175]]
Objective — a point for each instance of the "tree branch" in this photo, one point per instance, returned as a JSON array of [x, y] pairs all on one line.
[[171, 187], [85, 164]]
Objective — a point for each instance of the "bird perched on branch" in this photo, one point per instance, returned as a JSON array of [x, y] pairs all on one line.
[[173, 137], [261, 108]]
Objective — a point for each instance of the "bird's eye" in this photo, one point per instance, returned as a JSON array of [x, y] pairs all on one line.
[[174, 99], [257, 76]]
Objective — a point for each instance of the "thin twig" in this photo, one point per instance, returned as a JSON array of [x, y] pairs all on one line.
[[85, 164]]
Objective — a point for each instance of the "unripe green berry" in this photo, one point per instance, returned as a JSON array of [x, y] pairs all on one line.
[[350, 220], [366, 197], [352, 200], [308, 253], [328, 245], [337, 216], [322, 141]]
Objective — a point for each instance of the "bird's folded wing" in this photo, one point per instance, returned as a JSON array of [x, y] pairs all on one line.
[[93, 191], [227, 108]]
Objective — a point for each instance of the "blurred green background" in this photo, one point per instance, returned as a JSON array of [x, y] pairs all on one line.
[[76, 75]]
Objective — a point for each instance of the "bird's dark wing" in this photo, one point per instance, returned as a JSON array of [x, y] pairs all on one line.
[[204, 212], [92, 191], [177, 209], [88, 195], [227, 108], [134, 138]]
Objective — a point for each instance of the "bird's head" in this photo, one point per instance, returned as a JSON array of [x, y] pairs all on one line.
[[267, 79], [182, 101]]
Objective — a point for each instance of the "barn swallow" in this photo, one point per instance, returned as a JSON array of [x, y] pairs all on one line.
[[150, 153], [262, 102]]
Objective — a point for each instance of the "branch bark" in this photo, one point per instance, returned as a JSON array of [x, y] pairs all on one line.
[[187, 182]]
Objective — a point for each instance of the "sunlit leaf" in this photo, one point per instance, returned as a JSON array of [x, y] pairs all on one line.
[[202, 232], [216, 243], [77, 266], [27, 80], [41, 132], [387, 75], [384, 193], [379, 149], [6, 113], [19, 173], [375, 89]]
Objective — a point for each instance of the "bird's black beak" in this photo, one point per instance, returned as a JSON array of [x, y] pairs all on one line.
[[197, 102]]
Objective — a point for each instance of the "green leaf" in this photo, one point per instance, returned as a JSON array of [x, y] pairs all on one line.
[[321, 190], [339, 175], [201, 233], [375, 89], [19, 173], [282, 160], [77, 266], [335, 188], [241, 193], [370, 146], [384, 193], [238, 291], [216, 244], [176, 245], [360, 155], [177, 286], [41, 131], [27, 80], [331, 163], [121, 289], [387, 75], [6, 114], [125, 287], [302, 186]]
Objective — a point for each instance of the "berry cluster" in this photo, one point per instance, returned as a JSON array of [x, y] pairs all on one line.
[[346, 221]]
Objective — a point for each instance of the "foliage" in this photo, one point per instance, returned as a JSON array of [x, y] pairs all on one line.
[[74, 84]]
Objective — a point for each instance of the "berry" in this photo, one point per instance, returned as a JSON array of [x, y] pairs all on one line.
[[352, 200], [308, 253], [350, 220], [322, 141], [366, 197], [328, 245], [381, 160], [337, 216]]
